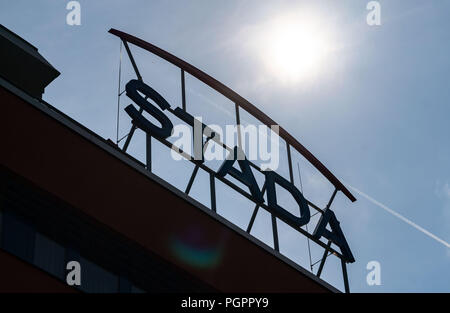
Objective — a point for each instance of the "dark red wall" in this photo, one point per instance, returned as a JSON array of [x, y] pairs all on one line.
[[62, 162]]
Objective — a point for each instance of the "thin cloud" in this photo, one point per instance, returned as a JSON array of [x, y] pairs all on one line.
[[401, 217]]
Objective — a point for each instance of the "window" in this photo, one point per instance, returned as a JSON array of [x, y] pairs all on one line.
[[21, 239], [95, 279], [135, 289], [1, 223], [49, 256], [124, 285], [18, 237]]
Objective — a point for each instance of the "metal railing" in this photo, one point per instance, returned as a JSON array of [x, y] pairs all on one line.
[[250, 108]]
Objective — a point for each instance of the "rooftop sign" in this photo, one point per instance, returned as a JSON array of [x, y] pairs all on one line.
[[236, 165]]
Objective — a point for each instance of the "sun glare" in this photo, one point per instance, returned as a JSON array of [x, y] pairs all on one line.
[[296, 48]]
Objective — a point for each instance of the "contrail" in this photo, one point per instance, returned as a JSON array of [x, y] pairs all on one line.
[[404, 219]]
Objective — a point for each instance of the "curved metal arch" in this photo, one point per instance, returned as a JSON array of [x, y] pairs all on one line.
[[239, 100]]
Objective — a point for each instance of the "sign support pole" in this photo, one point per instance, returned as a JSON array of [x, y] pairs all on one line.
[[148, 153], [344, 273]]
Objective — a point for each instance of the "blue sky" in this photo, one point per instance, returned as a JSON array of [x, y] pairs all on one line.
[[376, 114]]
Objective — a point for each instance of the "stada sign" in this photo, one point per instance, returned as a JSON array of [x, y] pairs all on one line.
[[327, 232]]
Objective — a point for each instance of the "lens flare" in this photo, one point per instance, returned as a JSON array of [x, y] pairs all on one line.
[[195, 249]]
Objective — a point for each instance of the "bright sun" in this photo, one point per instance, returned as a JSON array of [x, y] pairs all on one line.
[[297, 49]]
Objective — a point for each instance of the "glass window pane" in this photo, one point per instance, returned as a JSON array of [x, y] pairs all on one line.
[[124, 285], [18, 237], [1, 224], [49, 255], [135, 289], [95, 279]]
